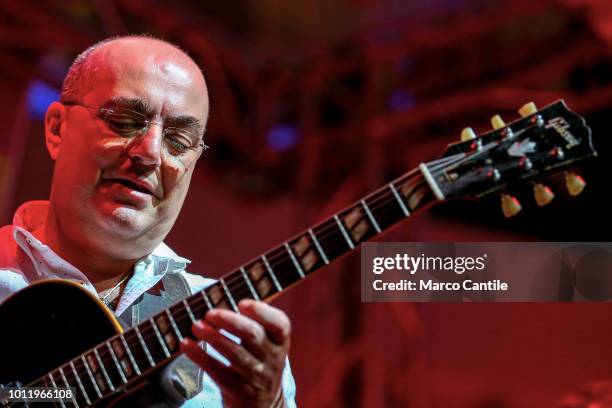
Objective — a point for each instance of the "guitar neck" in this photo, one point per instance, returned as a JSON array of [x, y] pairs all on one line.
[[126, 358], [269, 275]]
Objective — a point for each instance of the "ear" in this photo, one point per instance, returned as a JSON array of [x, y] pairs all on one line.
[[54, 121]]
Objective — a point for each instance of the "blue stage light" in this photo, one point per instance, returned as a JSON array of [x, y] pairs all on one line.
[[40, 96], [282, 137]]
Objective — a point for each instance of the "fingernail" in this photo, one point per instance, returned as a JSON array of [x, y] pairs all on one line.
[[246, 303]]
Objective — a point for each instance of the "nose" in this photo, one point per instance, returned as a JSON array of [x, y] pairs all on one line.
[[146, 150]]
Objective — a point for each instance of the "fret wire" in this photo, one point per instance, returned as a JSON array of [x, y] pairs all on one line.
[[160, 338], [91, 376], [297, 265], [174, 326], [189, 311], [285, 269], [207, 300], [370, 216], [249, 284], [61, 371], [129, 354], [387, 211], [144, 346], [332, 241], [114, 358], [182, 318], [103, 369], [228, 295], [76, 376], [399, 200], [50, 375], [348, 239], [318, 246], [279, 288]]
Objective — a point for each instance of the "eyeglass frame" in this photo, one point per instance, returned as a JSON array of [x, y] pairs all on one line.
[[148, 123]]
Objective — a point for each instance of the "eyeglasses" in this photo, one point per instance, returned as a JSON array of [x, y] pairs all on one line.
[[129, 123]]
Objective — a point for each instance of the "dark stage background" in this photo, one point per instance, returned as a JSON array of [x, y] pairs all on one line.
[[316, 102]]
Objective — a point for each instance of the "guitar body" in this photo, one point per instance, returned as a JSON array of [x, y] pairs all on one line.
[[49, 323]]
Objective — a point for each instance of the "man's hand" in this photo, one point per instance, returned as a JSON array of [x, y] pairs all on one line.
[[254, 376]]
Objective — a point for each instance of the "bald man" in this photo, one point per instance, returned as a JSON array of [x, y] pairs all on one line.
[[125, 139]]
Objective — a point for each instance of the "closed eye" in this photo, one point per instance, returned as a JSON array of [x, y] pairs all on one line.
[[179, 146]]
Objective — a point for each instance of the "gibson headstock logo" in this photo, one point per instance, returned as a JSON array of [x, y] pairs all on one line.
[[561, 126]]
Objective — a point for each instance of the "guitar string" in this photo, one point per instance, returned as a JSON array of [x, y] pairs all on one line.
[[279, 252], [384, 195], [284, 272], [322, 235], [181, 314], [243, 290], [436, 168], [179, 318], [285, 269]]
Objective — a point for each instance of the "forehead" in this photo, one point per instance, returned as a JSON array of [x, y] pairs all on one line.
[[161, 76]]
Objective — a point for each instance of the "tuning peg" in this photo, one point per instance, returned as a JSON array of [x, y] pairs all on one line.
[[527, 109], [543, 195], [467, 134], [574, 183], [497, 122], [510, 205]]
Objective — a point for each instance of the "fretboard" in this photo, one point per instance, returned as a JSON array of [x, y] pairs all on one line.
[[126, 357]]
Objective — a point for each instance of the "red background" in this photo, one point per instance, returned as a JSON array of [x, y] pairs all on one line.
[[368, 89]]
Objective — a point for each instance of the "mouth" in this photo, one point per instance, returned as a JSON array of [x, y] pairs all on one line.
[[140, 187]]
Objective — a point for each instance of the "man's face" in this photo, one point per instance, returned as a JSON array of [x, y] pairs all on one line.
[[122, 192]]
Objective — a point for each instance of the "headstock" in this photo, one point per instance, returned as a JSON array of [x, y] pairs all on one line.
[[540, 143]]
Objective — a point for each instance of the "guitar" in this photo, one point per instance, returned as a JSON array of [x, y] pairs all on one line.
[[86, 349]]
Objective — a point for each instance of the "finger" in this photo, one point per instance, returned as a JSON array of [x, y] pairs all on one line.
[[275, 321], [241, 360], [220, 374], [252, 335]]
